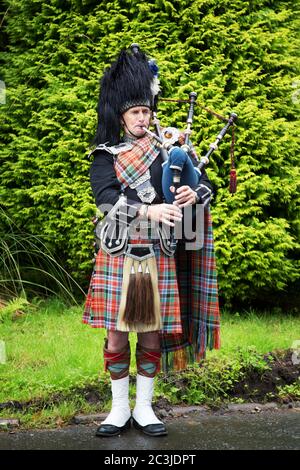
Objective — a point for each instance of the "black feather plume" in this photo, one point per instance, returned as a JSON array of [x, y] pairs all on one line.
[[126, 83]]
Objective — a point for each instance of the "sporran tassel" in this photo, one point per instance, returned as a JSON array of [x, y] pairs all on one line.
[[139, 309], [140, 297]]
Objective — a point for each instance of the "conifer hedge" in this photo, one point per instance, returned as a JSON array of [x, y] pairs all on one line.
[[237, 55]]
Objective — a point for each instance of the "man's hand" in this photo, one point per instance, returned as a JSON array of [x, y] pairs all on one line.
[[185, 196], [166, 213]]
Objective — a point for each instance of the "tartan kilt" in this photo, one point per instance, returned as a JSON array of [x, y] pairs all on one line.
[[104, 294]]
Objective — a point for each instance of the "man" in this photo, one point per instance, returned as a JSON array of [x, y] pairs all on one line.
[[139, 282]]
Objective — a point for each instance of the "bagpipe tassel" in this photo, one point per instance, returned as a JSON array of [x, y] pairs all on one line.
[[232, 182]]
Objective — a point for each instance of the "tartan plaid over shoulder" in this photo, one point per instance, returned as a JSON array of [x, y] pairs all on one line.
[[131, 164]]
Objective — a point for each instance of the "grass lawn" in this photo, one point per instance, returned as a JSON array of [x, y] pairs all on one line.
[[264, 331], [50, 351]]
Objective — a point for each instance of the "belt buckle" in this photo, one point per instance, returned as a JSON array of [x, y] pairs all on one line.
[[140, 251]]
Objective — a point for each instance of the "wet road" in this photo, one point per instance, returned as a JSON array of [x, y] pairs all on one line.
[[278, 430]]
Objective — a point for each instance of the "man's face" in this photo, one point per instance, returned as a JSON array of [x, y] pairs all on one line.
[[135, 119]]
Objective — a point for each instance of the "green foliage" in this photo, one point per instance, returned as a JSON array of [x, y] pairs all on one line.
[[214, 381], [13, 306], [238, 55], [289, 392], [27, 267]]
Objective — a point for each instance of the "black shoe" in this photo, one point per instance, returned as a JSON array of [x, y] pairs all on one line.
[[109, 430], [158, 429]]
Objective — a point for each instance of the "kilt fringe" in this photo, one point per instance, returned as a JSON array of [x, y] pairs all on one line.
[[179, 359]]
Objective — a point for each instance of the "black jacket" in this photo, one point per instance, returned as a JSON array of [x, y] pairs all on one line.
[[106, 187]]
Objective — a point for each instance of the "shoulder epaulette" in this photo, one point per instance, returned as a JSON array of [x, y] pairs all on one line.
[[114, 149]]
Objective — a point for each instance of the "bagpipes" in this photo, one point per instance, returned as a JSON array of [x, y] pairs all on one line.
[[178, 168]]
